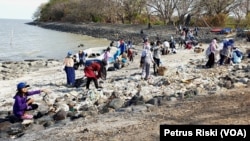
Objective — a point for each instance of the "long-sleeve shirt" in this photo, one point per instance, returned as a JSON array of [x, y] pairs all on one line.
[[148, 56], [157, 52], [90, 71], [20, 105]]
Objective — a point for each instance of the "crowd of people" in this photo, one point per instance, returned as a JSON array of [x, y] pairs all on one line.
[[93, 70], [225, 54], [151, 57]]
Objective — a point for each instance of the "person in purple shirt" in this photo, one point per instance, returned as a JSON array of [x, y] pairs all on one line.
[[23, 103]]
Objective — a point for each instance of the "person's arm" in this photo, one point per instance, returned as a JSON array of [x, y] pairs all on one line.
[[29, 93], [77, 58], [151, 56]]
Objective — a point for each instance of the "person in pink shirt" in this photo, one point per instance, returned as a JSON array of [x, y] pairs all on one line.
[[211, 57]]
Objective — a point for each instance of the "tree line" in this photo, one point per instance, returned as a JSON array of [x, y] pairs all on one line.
[[200, 12]]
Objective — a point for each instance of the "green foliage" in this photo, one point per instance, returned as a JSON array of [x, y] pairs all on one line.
[[128, 11], [96, 18], [158, 22]]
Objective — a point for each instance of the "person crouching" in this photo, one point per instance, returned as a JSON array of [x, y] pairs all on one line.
[[93, 73], [23, 103]]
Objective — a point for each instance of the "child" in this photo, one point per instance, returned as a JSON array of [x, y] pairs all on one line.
[[23, 103]]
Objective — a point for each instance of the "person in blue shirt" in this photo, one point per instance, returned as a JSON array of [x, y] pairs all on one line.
[[122, 47], [236, 55]]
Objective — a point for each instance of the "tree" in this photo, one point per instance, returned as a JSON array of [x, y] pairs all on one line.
[[214, 7], [37, 14], [133, 8], [186, 7], [164, 8]]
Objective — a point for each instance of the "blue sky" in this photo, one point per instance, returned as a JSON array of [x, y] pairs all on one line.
[[19, 9]]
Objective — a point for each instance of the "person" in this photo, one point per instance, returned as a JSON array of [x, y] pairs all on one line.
[[76, 63], [157, 56], [196, 29], [172, 44], [22, 103], [130, 55], [122, 46], [145, 42], [146, 60], [182, 39], [69, 69], [226, 52], [130, 44], [106, 58], [81, 58], [237, 55], [166, 47], [117, 54], [112, 43], [93, 72], [211, 55], [124, 59]]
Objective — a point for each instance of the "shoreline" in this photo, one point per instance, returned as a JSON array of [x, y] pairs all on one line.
[[114, 32], [127, 107]]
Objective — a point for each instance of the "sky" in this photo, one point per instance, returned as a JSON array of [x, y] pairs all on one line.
[[19, 9]]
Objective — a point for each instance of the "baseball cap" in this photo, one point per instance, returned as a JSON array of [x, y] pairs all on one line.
[[22, 85]]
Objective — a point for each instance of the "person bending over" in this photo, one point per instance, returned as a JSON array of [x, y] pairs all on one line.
[[93, 72]]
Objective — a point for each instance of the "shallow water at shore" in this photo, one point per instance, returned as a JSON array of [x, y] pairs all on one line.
[[19, 41]]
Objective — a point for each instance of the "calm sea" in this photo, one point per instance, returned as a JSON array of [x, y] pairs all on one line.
[[20, 41]]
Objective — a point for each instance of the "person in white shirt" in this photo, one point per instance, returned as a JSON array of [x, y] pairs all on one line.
[[166, 47], [81, 58], [146, 60]]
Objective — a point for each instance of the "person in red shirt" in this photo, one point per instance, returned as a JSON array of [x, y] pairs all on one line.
[[130, 55], [93, 73]]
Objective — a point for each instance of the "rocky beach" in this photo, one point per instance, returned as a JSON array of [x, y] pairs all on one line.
[[127, 107]]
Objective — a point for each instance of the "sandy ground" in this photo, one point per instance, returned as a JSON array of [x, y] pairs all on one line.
[[226, 107]]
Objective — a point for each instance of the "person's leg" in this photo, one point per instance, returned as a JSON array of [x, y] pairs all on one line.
[[72, 76], [143, 70], [88, 82], [147, 69], [222, 58], [154, 66], [34, 106], [81, 63], [158, 62], [96, 83], [212, 59], [67, 75]]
